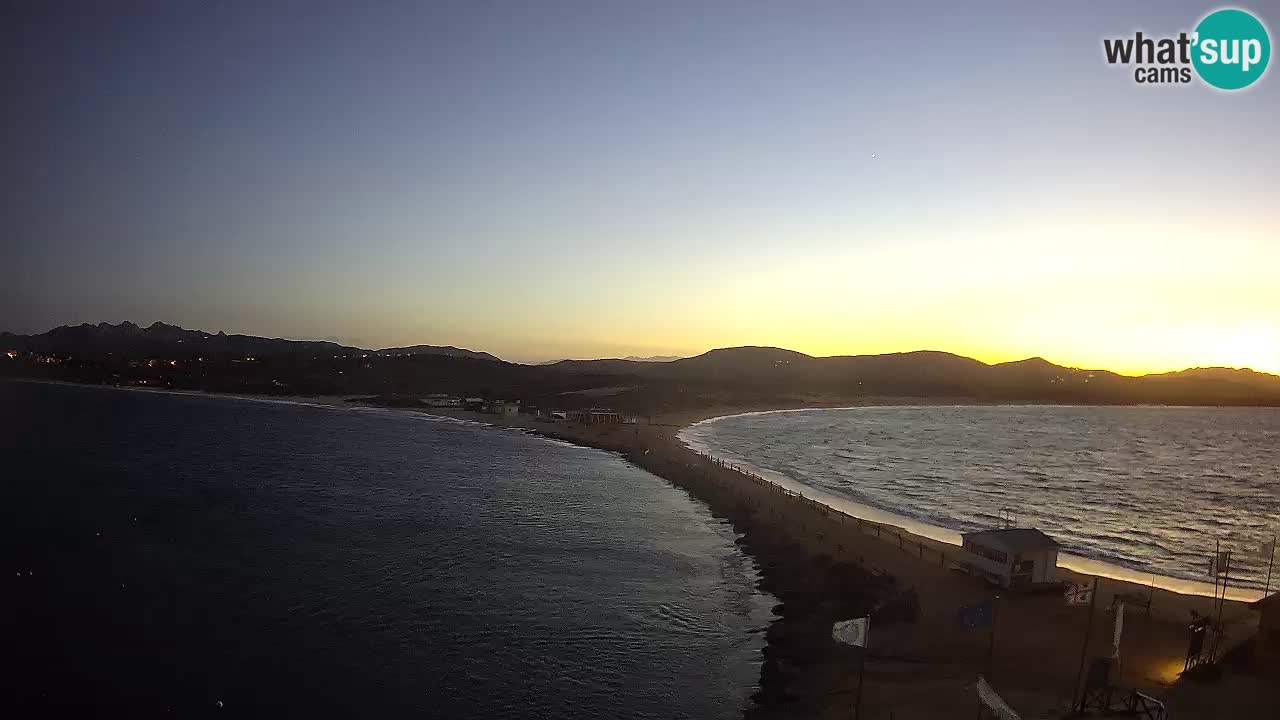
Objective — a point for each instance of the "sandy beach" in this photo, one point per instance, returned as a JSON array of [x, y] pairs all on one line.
[[824, 566]]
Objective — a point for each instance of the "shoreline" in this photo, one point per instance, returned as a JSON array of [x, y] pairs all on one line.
[[1080, 564], [799, 543], [821, 567], [1085, 567], [685, 420]]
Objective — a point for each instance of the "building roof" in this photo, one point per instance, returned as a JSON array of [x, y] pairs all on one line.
[[1014, 538], [1268, 603]]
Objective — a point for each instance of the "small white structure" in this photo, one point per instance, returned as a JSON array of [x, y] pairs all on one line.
[[441, 400], [595, 416], [505, 408], [1013, 557]]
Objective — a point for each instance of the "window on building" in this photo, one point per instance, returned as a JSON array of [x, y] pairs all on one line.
[[989, 553]]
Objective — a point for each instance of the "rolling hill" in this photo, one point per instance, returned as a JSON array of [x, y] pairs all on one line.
[[741, 375]]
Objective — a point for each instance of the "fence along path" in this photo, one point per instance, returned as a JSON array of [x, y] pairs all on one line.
[[924, 548]]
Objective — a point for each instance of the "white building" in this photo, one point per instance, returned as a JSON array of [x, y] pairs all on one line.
[[595, 416], [504, 408], [441, 400], [1013, 557]]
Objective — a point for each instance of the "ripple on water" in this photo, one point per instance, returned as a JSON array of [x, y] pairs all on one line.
[[340, 562], [1148, 488]]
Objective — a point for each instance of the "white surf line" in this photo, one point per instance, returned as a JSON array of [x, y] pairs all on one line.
[[334, 402], [322, 402], [1076, 563]]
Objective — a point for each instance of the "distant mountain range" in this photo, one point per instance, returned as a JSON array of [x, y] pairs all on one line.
[[743, 375], [653, 358], [161, 340], [449, 350], [940, 374], [629, 358]]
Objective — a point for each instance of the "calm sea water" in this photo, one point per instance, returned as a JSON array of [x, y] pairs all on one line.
[[178, 552], [1145, 488]]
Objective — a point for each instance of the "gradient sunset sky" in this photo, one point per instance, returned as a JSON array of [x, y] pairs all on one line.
[[551, 179]]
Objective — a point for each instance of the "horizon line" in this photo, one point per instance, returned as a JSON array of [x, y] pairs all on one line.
[[630, 358]]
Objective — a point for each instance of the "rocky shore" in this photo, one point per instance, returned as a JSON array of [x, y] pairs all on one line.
[[825, 566]]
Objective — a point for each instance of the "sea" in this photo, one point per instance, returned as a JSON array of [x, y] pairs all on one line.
[[200, 556], [1141, 493]]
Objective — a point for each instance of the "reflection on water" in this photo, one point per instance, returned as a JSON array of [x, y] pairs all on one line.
[[288, 560], [1145, 489]]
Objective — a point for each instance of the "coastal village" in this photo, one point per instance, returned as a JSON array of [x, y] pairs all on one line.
[[513, 408]]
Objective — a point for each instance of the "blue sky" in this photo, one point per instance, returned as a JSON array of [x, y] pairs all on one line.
[[549, 180]]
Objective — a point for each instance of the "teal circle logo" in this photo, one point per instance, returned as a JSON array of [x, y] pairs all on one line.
[[1232, 49]]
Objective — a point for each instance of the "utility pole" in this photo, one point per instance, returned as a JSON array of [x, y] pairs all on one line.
[[1270, 564], [1084, 649], [1151, 596], [1213, 567], [991, 645], [862, 670], [1217, 635]]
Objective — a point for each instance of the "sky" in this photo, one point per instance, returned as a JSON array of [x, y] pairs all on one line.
[[596, 179]]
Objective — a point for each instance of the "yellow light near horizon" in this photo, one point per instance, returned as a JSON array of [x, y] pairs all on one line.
[[1134, 297], [1133, 294], [1254, 350]]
